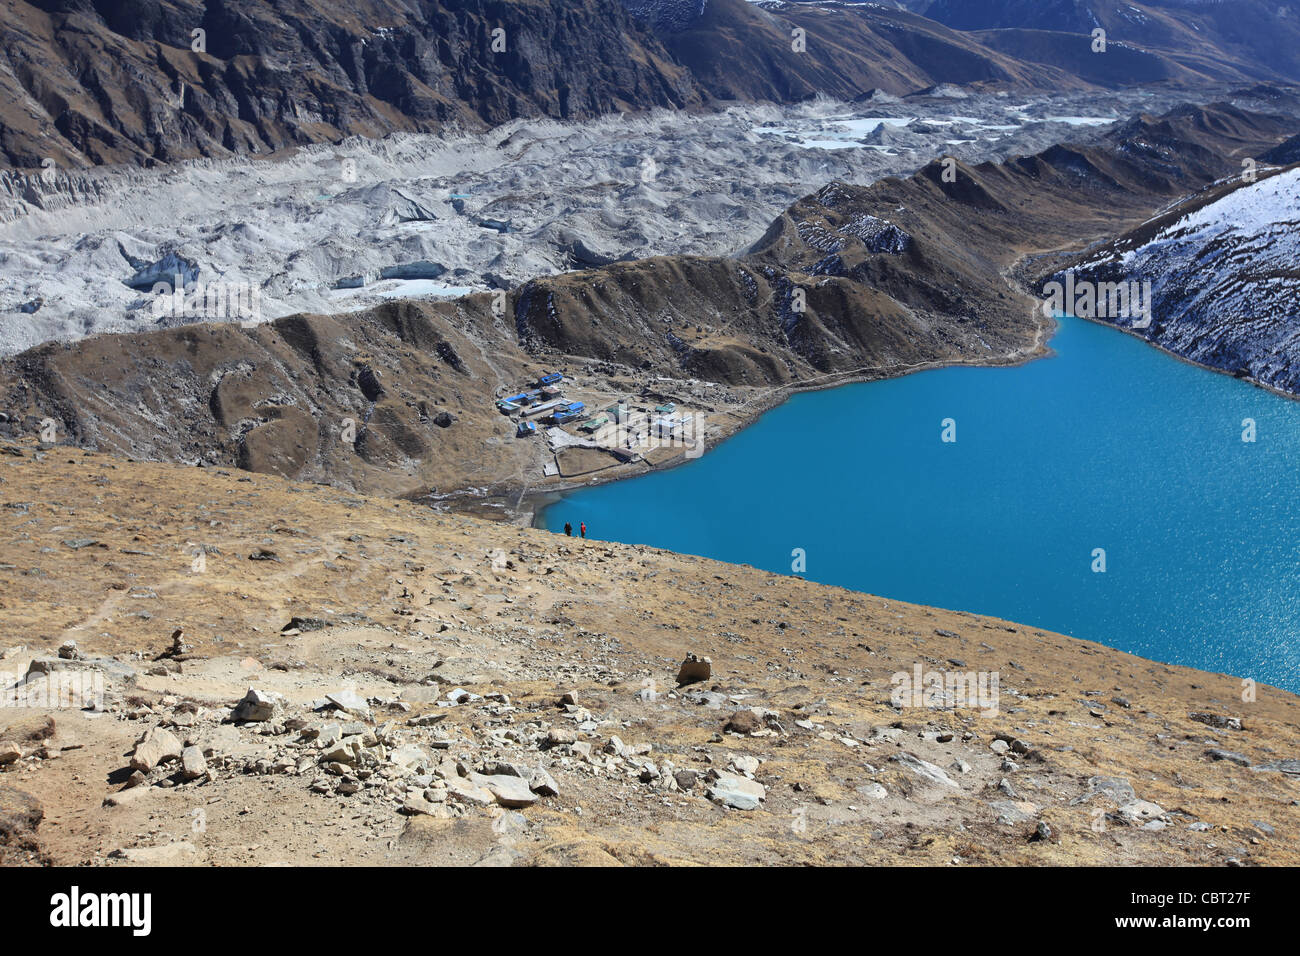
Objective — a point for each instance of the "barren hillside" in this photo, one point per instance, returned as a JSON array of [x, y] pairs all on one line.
[[451, 690]]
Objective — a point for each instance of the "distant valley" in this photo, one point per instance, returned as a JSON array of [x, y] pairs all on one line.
[[900, 274]]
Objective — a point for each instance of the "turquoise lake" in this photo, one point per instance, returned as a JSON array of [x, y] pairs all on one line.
[[1107, 444]]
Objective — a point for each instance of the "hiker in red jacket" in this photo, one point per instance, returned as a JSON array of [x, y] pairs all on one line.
[[582, 529]]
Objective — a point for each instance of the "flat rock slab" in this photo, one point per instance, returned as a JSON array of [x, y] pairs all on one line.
[[416, 805], [468, 792], [509, 791], [1013, 812], [1241, 760], [736, 791], [350, 701], [112, 669], [925, 770], [411, 757], [1289, 766], [1116, 789]]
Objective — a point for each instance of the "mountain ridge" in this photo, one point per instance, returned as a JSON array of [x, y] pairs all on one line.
[[89, 83]]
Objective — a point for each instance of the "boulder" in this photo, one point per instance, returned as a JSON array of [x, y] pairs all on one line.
[[686, 779], [346, 751], [1139, 812], [255, 706], [193, 765], [539, 781], [157, 746], [558, 736], [743, 722], [1221, 721], [745, 764]]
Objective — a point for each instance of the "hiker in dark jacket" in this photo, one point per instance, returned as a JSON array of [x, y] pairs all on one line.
[[568, 529]]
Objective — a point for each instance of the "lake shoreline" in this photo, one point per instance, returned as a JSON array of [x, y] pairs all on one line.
[[532, 514]]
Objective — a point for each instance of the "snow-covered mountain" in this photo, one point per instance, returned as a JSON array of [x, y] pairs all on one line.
[[1225, 278]]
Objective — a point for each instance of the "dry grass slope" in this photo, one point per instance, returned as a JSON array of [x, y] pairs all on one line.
[[100, 550]]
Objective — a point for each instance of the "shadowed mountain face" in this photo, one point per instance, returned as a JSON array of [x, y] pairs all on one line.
[[1070, 16], [86, 82], [98, 81], [743, 50], [851, 282], [1259, 36], [1285, 154]]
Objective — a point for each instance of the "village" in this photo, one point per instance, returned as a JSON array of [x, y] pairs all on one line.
[[575, 418]]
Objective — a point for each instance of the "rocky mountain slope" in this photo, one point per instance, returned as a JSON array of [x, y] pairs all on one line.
[[1147, 42], [1224, 269], [279, 673], [850, 283], [88, 82], [1253, 35], [93, 81]]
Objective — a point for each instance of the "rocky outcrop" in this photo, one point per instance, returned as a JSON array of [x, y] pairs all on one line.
[[1222, 270]]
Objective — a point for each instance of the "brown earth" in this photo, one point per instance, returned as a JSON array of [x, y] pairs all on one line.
[[402, 606]]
